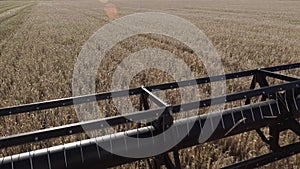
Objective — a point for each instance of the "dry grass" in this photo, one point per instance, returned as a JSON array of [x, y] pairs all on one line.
[[39, 45]]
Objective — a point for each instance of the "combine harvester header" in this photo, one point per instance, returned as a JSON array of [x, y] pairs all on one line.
[[277, 109]]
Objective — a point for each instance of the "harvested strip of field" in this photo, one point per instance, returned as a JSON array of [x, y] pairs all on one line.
[[12, 11], [11, 20], [8, 6]]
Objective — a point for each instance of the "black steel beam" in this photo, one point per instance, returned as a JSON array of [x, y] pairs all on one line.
[[147, 116], [233, 121], [66, 102], [278, 76], [259, 161], [221, 77], [87, 154], [144, 115], [282, 67], [101, 96]]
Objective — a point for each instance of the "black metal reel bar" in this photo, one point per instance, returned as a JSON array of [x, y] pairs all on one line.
[[87, 154], [77, 127], [74, 128], [116, 120], [147, 114], [259, 77], [284, 152], [102, 96], [288, 122]]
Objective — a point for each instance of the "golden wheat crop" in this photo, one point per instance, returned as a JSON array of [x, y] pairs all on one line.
[[40, 41]]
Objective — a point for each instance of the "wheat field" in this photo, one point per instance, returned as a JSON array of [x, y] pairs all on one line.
[[41, 40]]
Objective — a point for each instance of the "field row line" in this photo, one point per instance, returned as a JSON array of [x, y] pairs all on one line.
[[13, 11]]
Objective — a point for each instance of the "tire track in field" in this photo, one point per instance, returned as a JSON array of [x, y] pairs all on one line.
[[11, 22], [12, 12]]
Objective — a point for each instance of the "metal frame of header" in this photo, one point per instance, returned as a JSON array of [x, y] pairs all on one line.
[[278, 109]]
